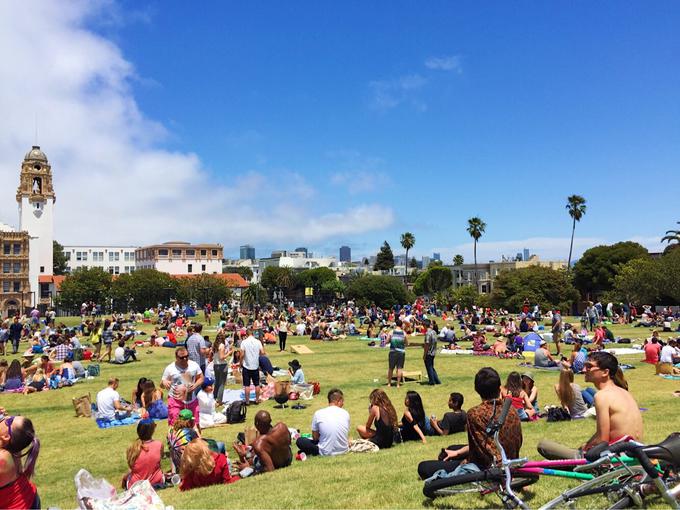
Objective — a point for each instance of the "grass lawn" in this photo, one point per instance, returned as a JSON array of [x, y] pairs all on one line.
[[387, 479]]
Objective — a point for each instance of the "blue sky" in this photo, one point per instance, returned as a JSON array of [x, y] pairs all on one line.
[[417, 116]]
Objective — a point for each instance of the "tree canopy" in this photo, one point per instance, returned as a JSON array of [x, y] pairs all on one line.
[[385, 259], [384, 291], [435, 278], [84, 285], [595, 271], [59, 261], [144, 288], [547, 287]]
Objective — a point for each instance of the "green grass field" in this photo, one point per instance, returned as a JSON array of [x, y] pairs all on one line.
[[387, 479]]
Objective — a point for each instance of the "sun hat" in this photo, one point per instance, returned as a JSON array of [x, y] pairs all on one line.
[[186, 414], [295, 365], [529, 375]]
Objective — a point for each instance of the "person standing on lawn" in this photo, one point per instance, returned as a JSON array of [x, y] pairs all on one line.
[[429, 352], [182, 378]]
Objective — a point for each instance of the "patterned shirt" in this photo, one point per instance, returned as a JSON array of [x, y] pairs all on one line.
[[431, 341], [482, 446]]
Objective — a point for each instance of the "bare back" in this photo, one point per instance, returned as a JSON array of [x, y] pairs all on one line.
[[618, 414], [273, 448]]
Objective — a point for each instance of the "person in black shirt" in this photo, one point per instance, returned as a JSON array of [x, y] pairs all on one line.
[[15, 330], [451, 422]]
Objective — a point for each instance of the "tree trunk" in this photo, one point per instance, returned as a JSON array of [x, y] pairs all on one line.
[[476, 273], [406, 267], [571, 244]]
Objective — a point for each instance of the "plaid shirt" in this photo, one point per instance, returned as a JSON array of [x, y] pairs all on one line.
[[62, 351]]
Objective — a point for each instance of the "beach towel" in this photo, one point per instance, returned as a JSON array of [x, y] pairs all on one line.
[[671, 377], [230, 396], [532, 366], [456, 351], [107, 424]]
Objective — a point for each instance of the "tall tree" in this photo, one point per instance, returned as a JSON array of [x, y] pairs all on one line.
[[385, 258], [59, 261], [458, 260], [476, 228], [576, 205], [672, 236], [408, 241]]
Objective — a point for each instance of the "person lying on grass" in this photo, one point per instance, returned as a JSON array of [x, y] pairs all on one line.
[[270, 451], [618, 415]]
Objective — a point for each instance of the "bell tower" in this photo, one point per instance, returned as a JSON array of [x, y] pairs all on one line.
[[36, 198]]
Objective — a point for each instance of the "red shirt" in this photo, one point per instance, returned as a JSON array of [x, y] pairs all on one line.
[[652, 353], [220, 474], [148, 465], [19, 494]]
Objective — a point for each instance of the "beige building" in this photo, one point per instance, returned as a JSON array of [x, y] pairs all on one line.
[[180, 258], [15, 289], [487, 272]]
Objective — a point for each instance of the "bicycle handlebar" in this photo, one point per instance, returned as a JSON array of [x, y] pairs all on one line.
[[634, 450]]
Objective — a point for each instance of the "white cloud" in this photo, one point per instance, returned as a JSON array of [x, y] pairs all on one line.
[[547, 248], [114, 181], [388, 94], [358, 173], [450, 63]]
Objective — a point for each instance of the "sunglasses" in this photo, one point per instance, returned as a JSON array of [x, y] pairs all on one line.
[[182, 357], [590, 366], [8, 423]]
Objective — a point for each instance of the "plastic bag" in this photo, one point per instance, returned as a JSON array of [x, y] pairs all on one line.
[[98, 494], [89, 488]]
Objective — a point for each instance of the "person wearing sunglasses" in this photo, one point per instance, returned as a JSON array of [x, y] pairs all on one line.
[[617, 413], [182, 377], [18, 440]]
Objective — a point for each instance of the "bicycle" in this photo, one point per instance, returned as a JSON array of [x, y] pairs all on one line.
[[626, 485]]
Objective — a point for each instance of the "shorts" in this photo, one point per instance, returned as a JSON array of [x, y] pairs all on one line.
[[396, 360], [250, 377], [175, 406]]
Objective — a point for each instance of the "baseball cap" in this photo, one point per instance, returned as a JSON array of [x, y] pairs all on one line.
[[186, 414]]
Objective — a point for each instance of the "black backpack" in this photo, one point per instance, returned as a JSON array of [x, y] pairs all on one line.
[[236, 412]]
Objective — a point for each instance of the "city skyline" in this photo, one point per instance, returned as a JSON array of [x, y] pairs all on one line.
[[272, 120]]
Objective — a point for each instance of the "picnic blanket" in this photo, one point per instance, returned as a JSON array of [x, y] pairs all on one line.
[[622, 351], [456, 351], [107, 424], [671, 377], [230, 396], [531, 365]]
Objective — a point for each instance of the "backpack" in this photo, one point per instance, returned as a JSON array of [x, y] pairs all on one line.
[[558, 414], [93, 370], [236, 412]]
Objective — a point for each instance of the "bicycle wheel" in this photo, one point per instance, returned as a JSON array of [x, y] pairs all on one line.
[[481, 482], [611, 484]]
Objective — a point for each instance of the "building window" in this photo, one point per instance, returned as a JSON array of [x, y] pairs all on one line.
[[84, 255], [6, 267], [5, 286], [116, 270], [17, 286], [176, 253], [114, 256], [17, 267], [42, 269], [67, 255], [17, 249], [110, 269], [214, 253], [129, 256], [203, 268], [190, 268], [162, 253], [191, 253], [6, 248], [204, 253]]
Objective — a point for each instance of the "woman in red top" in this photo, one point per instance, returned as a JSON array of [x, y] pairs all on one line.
[[17, 491], [201, 467], [144, 457]]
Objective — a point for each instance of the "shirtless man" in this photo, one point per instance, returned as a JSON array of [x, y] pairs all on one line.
[[618, 415], [271, 448]]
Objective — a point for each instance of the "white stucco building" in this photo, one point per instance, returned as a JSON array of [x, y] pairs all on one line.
[[113, 259], [180, 258]]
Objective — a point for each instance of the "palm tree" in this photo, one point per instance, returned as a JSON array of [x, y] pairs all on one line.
[[672, 236], [576, 205], [458, 260], [408, 241], [252, 294], [476, 228]]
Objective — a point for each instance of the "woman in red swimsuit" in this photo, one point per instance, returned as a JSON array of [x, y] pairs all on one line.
[[17, 440]]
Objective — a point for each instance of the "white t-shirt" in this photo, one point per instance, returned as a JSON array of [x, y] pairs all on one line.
[[180, 378], [667, 352], [251, 347], [105, 403], [332, 424], [119, 354], [300, 329]]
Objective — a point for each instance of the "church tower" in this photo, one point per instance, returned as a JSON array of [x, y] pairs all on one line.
[[36, 198]]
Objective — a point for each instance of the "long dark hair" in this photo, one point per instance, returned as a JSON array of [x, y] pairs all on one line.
[[140, 388], [513, 384], [379, 398], [23, 436], [14, 370], [415, 406]]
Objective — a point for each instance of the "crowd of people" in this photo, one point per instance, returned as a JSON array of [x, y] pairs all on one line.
[[191, 389]]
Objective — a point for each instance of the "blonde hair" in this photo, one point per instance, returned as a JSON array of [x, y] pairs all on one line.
[[197, 458], [145, 432], [564, 389]]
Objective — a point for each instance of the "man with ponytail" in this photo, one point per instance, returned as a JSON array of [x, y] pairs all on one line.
[[17, 440], [618, 415]]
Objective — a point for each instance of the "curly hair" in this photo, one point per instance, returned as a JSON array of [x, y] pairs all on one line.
[[379, 398], [197, 458]]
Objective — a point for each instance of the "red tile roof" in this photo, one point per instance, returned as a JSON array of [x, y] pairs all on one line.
[[56, 279]]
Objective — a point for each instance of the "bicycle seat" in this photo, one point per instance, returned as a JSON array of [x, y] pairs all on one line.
[[668, 450]]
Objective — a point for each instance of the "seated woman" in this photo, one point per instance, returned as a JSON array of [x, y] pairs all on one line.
[[152, 401], [207, 415], [577, 360], [37, 384], [144, 457], [137, 393], [413, 424], [17, 491], [14, 377], [570, 394], [201, 467], [382, 414], [530, 388], [500, 348], [479, 342], [295, 370], [520, 400]]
